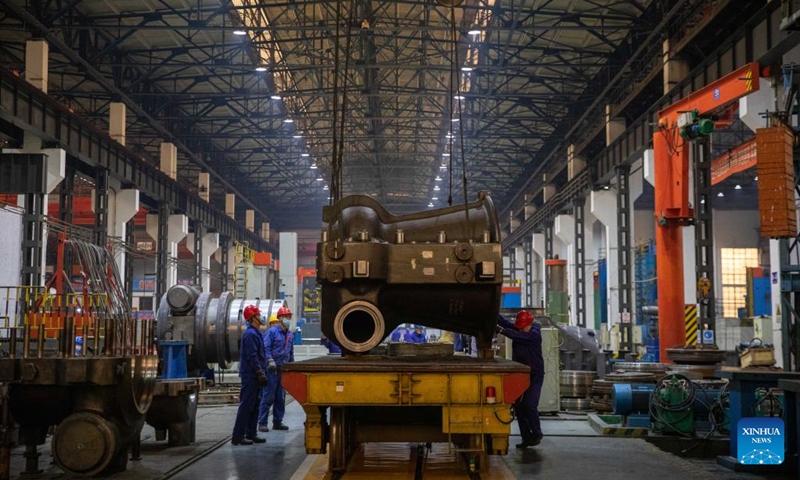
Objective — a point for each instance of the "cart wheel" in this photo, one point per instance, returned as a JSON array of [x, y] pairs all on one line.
[[337, 453]]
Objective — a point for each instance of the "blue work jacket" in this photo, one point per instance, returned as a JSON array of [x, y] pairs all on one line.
[[251, 355], [526, 347], [279, 345]]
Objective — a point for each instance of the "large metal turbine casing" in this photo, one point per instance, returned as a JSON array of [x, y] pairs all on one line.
[[213, 326], [439, 268]]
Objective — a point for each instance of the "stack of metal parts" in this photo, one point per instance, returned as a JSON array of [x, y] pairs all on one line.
[[659, 370], [97, 393], [576, 389], [602, 388]]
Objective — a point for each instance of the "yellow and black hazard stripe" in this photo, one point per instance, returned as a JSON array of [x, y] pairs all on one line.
[[748, 79], [690, 323]]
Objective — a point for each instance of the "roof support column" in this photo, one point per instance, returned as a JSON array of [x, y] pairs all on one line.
[[603, 205], [204, 245], [169, 160], [37, 54], [624, 262], [564, 229], [615, 126], [204, 186], [168, 230], [117, 121], [250, 220], [675, 68], [230, 205]]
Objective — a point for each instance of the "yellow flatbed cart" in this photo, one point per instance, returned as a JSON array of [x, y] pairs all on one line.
[[460, 400]]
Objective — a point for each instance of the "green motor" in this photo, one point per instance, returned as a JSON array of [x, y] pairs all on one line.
[[672, 404]]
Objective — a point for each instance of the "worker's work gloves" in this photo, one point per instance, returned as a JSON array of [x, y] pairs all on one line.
[[262, 378], [271, 365]]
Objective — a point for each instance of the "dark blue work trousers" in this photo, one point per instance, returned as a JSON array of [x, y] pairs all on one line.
[[247, 415], [273, 396], [527, 410]]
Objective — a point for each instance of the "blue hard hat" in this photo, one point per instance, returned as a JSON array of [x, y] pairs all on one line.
[[79, 340], [418, 326]]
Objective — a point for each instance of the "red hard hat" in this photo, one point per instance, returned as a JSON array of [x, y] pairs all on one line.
[[250, 311], [524, 318], [284, 312]]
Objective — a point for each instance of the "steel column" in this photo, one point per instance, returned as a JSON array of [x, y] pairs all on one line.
[[162, 250], [33, 239], [700, 155], [130, 245], [512, 264], [548, 255], [624, 257], [527, 251], [66, 193], [580, 263], [223, 242], [198, 252], [101, 206]]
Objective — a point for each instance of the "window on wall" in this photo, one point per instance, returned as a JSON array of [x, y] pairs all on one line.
[[735, 262]]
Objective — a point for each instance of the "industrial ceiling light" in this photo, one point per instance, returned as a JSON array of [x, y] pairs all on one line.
[[702, 201], [438, 178], [434, 199], [239, 32], [443, 167], [466, 69], [756, 179], [304, 155], [325, 187], [319, 179], [261, 69], [288, 120], [737, 187], [297, 135], [436, 188], [474, 32], [460, 97], [430, 205], [313, 166], [456, 120], [445, 154], [720, 194], [275, 97]]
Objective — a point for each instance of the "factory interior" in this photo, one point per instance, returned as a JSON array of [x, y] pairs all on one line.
[[399, 239]]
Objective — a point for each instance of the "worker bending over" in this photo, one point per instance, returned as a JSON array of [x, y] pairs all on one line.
[[526, 348]]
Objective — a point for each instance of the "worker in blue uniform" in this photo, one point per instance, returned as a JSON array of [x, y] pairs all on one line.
[[418, 335], [279, 350], [526, 348], [397, 334], [251, 370]]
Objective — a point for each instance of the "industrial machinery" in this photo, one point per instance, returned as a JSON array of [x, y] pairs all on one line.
[[441, 269], [212, 327], [195, 330], [557, 294], [377, 270], [97, 395]]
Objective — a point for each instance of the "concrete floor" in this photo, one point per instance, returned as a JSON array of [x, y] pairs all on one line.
[[570, 449]]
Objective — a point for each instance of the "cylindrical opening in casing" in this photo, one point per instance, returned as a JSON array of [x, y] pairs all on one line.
[[359, 326]]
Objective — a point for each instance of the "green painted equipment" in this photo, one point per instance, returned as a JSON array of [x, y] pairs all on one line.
[[671, 406], [557, 296]]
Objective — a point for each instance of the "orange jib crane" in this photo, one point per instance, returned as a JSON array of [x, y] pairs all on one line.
[[672, 208]]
